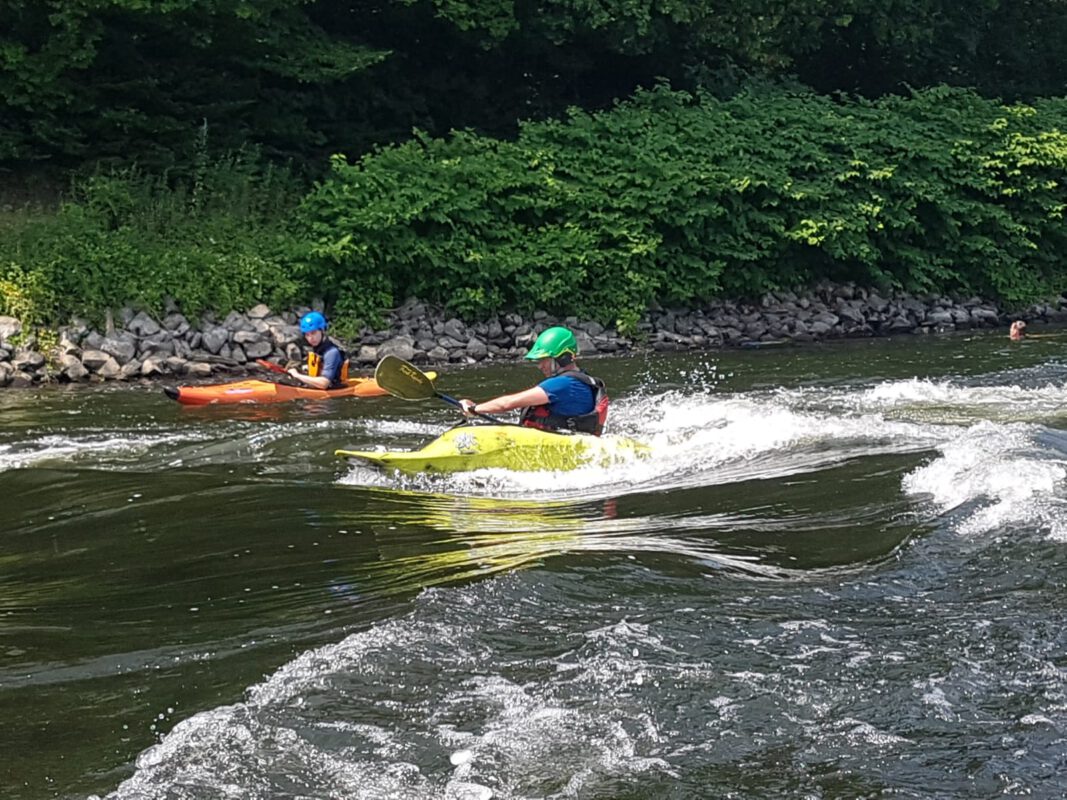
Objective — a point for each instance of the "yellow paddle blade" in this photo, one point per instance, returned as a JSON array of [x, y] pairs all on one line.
[[403, 380]]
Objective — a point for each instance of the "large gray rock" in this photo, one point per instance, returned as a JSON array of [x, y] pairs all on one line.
[[259, 312], [477, 349], [237, 322], [851, 311], [197, 369], [284, 334], [142, 325], [176, 323], [94, 359], [399, 346], [456, 330], [161, 342], [154, 366], [594, 329], [411, 309], [9, 326], [257, 349], [754, 330], [175, 364], [587, 345], [367, 354], [939, 317], [122, 346], [109, 370], [247, 337], [214, 338], [68, 345], [898, 324], [27, 360]]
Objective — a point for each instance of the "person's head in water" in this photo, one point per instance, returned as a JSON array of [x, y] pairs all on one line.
[[1017, 330], [554, 350]]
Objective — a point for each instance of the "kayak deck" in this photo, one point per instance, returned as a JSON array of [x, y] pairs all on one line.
[[258, 391], [511, 447]]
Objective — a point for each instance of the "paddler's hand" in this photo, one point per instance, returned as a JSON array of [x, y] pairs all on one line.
[[293, 372], [467, 407]]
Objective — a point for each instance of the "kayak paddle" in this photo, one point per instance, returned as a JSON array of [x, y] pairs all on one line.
[[272, 366], [280, 369], [408, 382]]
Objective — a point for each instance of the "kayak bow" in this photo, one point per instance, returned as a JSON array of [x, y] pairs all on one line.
[[512, 447]]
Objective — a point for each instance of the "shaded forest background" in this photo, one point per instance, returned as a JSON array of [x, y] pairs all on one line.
[[222, 151], [85, 82]]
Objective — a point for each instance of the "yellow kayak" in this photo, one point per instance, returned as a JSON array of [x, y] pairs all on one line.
[[512, 447]]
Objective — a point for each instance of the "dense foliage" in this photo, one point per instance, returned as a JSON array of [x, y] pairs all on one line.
[[129, 81], [675, 199], [594, 207], [218, 241]]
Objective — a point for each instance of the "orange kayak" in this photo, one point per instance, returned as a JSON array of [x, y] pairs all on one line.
[[256, 391]]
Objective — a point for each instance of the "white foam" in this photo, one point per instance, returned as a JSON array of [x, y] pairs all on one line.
[[984, 435], [692, 440], [251, 748], [999, 466], [96, 446]]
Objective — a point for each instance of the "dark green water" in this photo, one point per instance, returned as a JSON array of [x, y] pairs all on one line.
[[841, 574]]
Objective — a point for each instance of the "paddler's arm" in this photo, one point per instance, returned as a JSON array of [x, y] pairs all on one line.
[[318, 382], [535, 396]]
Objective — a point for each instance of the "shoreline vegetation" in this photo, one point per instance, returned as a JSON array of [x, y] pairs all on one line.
[[948, 209], [136, 346]]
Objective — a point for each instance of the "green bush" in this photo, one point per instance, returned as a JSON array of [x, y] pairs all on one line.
[[668, 198], [677, 199]]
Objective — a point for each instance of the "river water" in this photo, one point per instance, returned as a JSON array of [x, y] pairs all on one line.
[[841, 574]]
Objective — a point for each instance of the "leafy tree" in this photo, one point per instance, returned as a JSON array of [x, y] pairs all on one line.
[[83, 81]]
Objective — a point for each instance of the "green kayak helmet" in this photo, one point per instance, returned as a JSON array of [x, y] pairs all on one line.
[[553, 343]]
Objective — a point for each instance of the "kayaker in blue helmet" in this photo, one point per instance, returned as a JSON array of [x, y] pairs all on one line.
[[327, 364], [566, 400]]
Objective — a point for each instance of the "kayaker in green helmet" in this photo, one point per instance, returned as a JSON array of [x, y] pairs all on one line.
[[567, 399]]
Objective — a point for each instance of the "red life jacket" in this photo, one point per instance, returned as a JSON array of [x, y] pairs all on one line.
[[592, 422]]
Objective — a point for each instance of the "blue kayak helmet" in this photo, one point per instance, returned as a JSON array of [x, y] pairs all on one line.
[[312, 321]]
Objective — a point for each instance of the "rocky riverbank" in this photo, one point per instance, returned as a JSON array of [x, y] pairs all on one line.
[[134, 345]]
